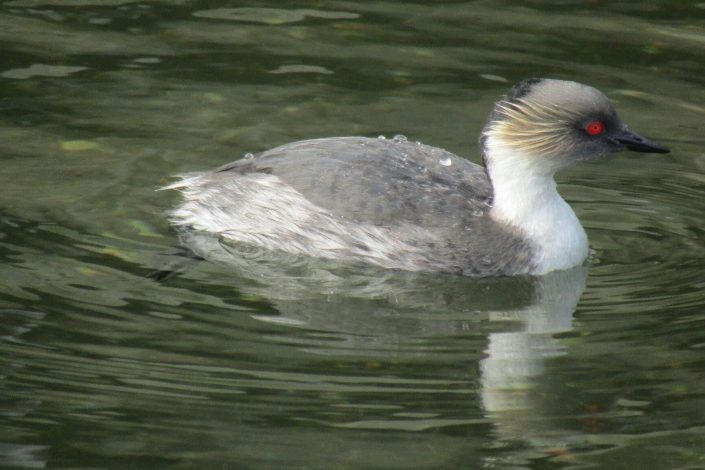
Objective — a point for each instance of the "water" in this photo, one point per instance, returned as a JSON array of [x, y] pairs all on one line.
[[259, 362]]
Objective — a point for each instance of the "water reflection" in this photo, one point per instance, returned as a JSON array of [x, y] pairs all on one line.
[[376, 312], [515, 365]]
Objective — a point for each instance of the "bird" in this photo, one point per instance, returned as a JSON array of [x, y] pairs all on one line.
[[398, 204]]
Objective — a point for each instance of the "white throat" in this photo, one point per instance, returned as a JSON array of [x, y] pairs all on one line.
[[525, 197]]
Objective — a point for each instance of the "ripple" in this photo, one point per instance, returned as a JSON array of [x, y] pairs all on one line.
[[41, 70], [272, 15], [283, 69]]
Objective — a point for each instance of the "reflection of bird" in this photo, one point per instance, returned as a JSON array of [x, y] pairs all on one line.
[[405, 205], [521, 393], [516, 358]]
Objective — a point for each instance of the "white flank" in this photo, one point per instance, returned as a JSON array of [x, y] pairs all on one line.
[[260, 209]]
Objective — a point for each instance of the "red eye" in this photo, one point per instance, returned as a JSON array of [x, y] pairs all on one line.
[[595, 128]]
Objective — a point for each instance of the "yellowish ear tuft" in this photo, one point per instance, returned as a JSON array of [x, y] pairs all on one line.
[[531, 127]]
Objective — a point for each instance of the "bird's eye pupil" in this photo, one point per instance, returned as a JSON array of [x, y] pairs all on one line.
[[595, 128]]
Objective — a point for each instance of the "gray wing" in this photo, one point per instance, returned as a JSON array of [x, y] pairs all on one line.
[[379, 182]]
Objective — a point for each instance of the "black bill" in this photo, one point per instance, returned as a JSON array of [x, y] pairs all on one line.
[[634, 141]]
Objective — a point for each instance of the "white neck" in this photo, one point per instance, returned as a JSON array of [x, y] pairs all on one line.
[[525, 197]]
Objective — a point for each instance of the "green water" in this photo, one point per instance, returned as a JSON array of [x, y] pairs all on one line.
[[274, 365]]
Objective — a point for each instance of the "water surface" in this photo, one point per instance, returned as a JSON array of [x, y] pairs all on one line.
[[254, 361]]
